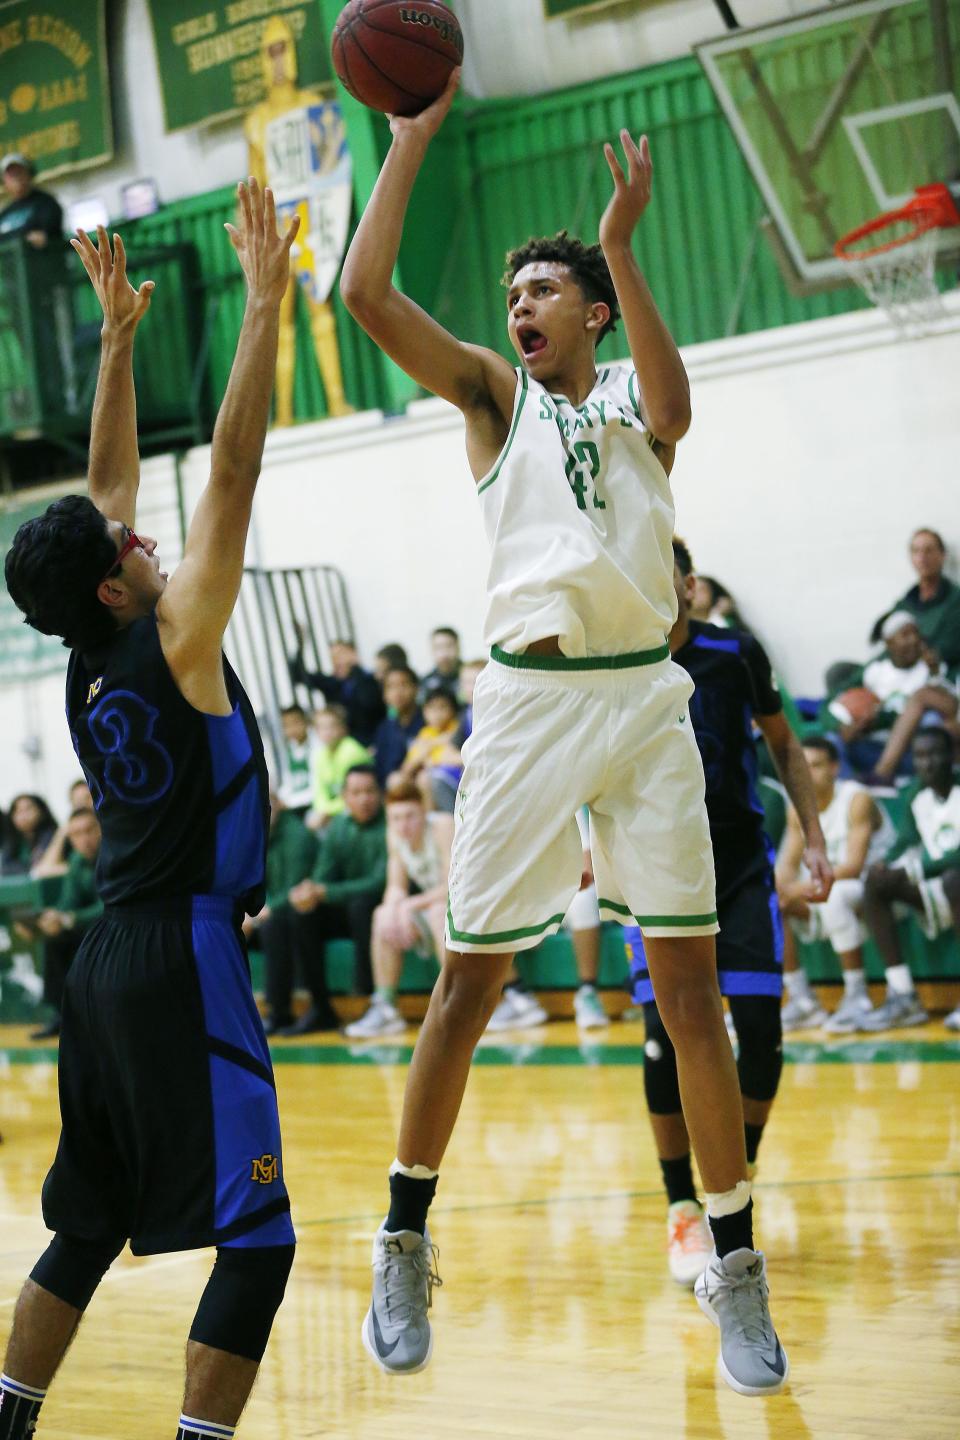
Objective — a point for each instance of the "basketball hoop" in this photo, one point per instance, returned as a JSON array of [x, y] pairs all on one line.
[[897, 272]]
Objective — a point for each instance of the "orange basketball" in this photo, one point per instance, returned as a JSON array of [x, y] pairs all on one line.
[[855, 705]]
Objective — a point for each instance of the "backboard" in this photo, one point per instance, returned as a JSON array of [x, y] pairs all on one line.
[[841, 113]]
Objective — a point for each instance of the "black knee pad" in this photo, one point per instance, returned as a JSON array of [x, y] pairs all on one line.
[[72, 1269], [242, 1296], [660, 1081], [759, 1032]]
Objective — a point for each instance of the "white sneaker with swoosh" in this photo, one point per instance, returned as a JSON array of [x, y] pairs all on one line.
[[733, 1294], [396, 1332]]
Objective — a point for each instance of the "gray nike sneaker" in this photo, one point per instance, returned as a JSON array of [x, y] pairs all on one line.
[[848, 1014], [396, 1331], [732, 1292], [895, 1012], [804, 1012]]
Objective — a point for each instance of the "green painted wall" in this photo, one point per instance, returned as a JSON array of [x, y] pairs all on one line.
[[502, 170]]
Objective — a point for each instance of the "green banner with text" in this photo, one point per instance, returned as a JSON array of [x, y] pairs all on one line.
[[215, 58], [54, 85], [555, 8]]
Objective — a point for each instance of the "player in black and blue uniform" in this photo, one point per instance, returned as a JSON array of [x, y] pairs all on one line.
[[170, 1133], [735, 686]]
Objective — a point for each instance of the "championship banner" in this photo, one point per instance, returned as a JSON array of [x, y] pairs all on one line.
[[208, 54], [54, 85], [553, 9]]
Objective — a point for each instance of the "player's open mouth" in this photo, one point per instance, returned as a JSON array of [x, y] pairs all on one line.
[[531, 341]]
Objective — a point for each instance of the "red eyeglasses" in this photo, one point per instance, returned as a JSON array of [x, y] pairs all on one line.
[[132, 542]]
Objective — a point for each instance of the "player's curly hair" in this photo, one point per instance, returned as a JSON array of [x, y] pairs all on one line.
[[53, 569], [586, 262], [682, 556]]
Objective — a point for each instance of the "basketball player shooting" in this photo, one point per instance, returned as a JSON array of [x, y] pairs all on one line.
[[170, 1134], [580, 705]]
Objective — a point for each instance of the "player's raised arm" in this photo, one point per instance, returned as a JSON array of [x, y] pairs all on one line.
[[664, 389], [113, 473], [467, 375], [198, 602]]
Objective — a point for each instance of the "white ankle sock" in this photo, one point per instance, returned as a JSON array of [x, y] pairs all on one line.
[[798, 986], [191, 1429], [854, 982], [900, 980]]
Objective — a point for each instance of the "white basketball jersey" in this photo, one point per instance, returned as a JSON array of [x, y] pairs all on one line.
[[835, 824], [579, 517], [938, 821]]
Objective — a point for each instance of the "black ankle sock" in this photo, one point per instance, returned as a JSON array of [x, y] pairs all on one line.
[[733, 1232], [753, 1135], [19, 1408], [678, 1178], [409, 1202]]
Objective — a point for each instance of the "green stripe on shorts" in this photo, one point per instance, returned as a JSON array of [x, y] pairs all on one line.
[[586, 662], [677, 920], [499, 937]]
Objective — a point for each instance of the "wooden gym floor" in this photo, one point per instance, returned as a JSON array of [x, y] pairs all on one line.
[[557, 1317]]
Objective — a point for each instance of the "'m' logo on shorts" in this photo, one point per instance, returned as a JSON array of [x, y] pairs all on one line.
[[264, 1170]]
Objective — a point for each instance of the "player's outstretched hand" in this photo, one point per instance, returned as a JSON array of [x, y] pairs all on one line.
[[263, 254], [425, 125], [631, 191], [123, 307], [821, 874]]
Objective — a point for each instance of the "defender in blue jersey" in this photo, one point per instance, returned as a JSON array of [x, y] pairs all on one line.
[[170, 1133], [734, 687]]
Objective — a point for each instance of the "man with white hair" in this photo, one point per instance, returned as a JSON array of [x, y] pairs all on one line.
[[907, 687]]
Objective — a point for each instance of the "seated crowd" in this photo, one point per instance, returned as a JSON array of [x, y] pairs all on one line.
[[362, 825]]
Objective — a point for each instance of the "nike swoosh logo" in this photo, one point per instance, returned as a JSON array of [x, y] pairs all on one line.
[[382, 1347], [777, 1368]]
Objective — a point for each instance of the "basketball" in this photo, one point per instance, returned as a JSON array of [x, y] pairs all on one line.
[[855, 705], [396, 57]]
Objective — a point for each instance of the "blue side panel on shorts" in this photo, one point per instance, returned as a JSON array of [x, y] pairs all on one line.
[[750, 982], [641, 986], [251, 1205], [238, 866]]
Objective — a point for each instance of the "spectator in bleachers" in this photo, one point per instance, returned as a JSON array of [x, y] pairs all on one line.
[[389, 657], [78, 908], [30, 212], [445, 647], [291, 856], [348, 685], [713, 604], [921, 875], [934, 601], [32, 828], [344, 890], [57, 854], [403, 723], [336, 754], [857, 833], [446, 775], [425, 759], [413, 912], [906, 687], [300, 744]]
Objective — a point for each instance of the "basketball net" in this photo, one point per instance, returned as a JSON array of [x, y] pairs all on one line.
[[897, 271]]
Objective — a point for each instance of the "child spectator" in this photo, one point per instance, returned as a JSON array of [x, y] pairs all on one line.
[[403, 723], [857, 833], [78, 908], [426, 755], [300, 745], [336, 754], [343, 891], [714, 604], [906, 687], [413, 911], [923, 875], [32, 828], [446, 777], [291, 856]]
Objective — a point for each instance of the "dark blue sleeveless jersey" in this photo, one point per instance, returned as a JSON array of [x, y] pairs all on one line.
[[734, 683], [182, 796]]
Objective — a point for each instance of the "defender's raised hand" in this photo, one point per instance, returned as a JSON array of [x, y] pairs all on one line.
[[123, 307], [631, 191], [263, 254]]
